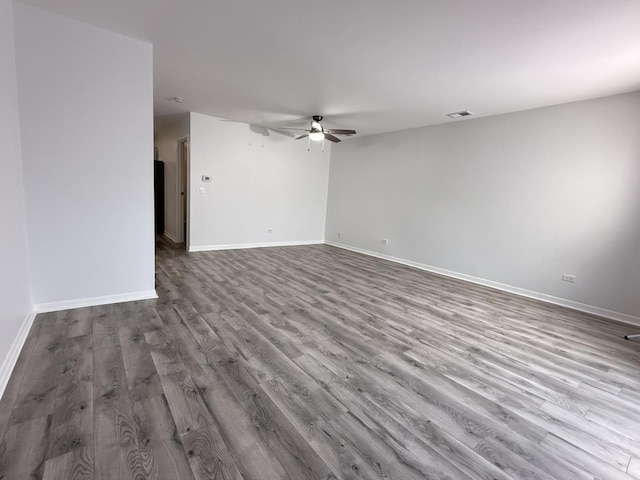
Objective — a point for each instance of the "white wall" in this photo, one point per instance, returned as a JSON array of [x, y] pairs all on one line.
[[168, 131], [517, 199], [86, 116], [15, 294], [258, 183]]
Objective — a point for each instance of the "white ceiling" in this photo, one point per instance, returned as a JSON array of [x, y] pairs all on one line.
[[374, 65]]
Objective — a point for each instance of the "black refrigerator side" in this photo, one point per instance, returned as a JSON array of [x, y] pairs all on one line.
[[158, 190]]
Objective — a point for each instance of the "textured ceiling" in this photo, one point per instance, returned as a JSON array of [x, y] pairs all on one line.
[[374, 65]]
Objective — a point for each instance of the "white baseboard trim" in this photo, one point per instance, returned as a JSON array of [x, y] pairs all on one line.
[[11, 359], [93, 301], [582, 307], [170, 237], [237, 246]]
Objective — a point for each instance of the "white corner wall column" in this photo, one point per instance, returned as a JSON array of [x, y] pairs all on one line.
[[86, 116], [15, 290]]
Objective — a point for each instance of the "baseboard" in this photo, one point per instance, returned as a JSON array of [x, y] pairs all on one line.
[[237, 246], [582, 307], [170, 237], [14, 352], [93, 301]]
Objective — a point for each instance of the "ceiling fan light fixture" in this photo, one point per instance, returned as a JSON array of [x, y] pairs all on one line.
[[316, 136], [318, 133]]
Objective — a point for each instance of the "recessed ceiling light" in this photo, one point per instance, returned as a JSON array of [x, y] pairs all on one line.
[[463, 113]]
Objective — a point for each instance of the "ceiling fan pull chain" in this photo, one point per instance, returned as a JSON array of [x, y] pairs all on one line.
[[308, 144], [322, 144]]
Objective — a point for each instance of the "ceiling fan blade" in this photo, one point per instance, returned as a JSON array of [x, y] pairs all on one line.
[[340, 131], [330, 137], [302, 136], [289, 128]]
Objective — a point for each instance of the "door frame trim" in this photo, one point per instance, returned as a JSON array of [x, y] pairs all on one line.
[[179, 199]]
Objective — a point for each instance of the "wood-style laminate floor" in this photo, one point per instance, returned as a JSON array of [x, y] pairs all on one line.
[[317, 363]]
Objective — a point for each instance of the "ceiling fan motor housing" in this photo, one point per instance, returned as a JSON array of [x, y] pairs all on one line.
[[318, 133]]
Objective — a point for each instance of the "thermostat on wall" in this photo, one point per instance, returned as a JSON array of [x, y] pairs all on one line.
[[206, 178]]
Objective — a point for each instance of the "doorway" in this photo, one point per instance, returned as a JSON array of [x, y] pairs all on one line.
[[183, 189]]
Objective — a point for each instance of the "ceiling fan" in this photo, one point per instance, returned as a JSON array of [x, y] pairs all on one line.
[[318, 133]]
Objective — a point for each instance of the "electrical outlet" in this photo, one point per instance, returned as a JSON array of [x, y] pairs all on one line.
[[385, 241], [568, 278]]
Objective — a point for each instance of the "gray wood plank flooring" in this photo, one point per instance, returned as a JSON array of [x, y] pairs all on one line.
[[313, 362]]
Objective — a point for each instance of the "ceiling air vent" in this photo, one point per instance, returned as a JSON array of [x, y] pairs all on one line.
[[464, 113]]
